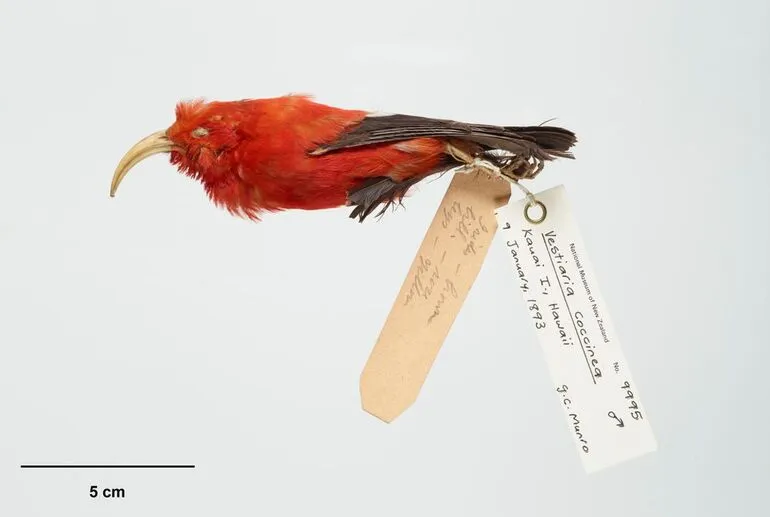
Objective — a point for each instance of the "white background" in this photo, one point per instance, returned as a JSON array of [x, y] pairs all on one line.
[[155, 328]]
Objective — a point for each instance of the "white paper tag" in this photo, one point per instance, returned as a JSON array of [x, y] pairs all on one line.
[[592, 380]]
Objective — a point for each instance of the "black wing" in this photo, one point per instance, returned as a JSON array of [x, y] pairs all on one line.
[[541, 142]]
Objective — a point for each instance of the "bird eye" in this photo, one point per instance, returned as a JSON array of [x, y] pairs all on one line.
[[199, 132]]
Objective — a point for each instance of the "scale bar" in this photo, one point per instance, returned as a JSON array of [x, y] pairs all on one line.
[[107, 466]]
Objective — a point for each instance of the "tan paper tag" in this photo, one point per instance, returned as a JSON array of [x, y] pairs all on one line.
[[592, 380], [438, 282]]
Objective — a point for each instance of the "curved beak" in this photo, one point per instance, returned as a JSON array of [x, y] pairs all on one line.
[[156, 143]]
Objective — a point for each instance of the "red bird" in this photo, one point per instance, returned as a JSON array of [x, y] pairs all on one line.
[[260, 155]]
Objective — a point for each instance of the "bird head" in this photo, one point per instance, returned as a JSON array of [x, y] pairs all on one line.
[[197, 140]]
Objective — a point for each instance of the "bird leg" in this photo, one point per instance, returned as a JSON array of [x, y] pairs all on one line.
[[521, 168]]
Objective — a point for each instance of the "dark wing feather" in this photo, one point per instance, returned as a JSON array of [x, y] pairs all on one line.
[[543, 142], [530, 142], [374, 192], [383, 190]]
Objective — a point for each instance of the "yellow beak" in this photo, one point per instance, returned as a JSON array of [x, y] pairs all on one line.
[[156, 143]]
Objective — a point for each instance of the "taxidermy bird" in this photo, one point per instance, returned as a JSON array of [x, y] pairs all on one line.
[[264, 155]]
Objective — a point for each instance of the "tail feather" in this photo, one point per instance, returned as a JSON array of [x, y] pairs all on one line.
[[556, 141]]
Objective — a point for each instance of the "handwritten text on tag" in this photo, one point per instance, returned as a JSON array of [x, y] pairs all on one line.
[[592, 380]]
